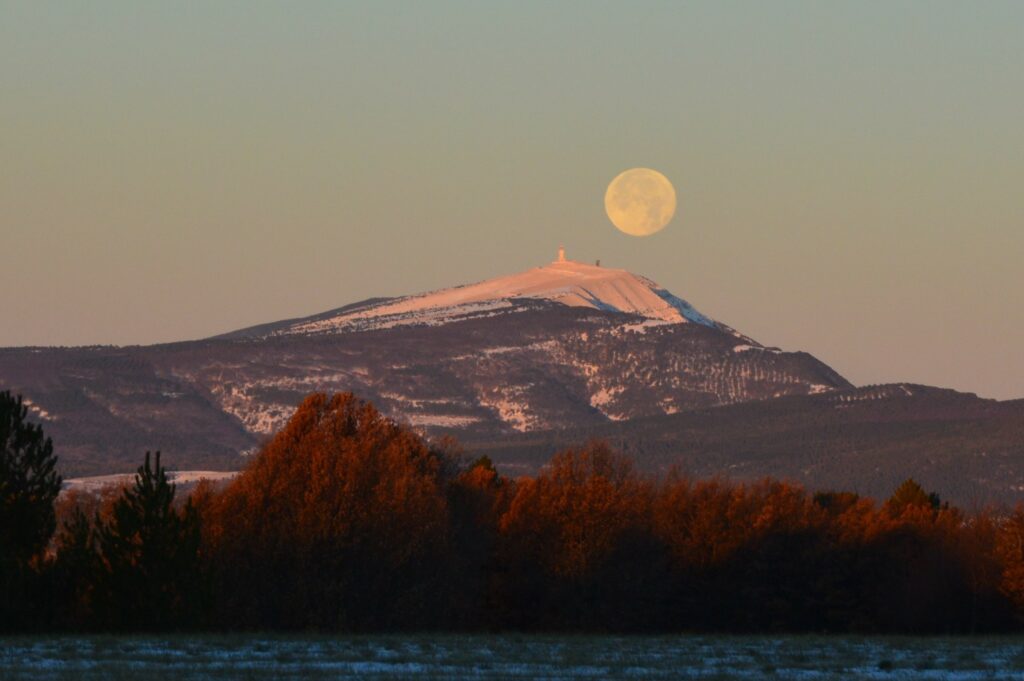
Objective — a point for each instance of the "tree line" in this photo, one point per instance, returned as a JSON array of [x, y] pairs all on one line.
[[348, 521]]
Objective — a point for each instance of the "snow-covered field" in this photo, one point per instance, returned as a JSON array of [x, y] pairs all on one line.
[[511, 657]]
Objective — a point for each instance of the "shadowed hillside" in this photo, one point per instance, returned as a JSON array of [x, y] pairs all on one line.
[[539, 366], [866, 439]]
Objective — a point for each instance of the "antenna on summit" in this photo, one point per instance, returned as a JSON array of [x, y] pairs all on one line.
[[561, 254]]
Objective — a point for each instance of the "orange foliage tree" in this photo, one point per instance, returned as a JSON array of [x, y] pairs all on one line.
[[577, 547], [339, 522], [744, 556], [1010, 550]]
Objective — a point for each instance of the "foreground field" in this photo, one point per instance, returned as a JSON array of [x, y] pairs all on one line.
[[510, 657]]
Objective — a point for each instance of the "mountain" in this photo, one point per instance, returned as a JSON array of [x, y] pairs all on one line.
[[563, 345]]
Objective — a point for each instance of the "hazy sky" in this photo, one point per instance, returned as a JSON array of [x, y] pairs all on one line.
[[849, 176]]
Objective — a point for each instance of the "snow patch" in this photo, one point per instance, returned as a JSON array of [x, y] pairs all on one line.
[[390, 316], [604, 396], [446, 420], [642, 327], [760, 348], [38, 411], [97, 483], [507, 402]]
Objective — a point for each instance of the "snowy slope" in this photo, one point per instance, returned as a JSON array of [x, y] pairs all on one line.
[[564, 281]]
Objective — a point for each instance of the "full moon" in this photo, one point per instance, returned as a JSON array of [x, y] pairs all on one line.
[[640, 201]]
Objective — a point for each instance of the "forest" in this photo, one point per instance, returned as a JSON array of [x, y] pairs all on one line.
[[348, 521]]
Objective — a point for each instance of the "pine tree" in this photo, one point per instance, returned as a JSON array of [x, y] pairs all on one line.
[[74, 572], [341, 521], [150, 557], [909, 495], [29, 485]]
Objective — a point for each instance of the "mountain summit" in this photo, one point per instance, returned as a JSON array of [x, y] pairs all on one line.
[[564, 346], [562, 281]]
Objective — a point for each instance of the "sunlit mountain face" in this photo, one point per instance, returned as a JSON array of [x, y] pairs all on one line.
[[566, 282]]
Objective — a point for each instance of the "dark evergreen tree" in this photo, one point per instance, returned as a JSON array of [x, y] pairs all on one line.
[[29, 485], [74, 573], [150, 557], [911, 494]]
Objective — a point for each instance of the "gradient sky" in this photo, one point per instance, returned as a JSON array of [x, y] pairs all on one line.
[[849, 175]]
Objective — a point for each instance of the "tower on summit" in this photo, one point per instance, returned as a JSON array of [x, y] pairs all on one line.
[[561, 254]]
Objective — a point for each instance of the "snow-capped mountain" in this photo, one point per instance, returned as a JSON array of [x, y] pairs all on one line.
[[562, 346], [563, 281]]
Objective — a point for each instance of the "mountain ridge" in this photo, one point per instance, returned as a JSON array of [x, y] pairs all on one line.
[[868, 440]]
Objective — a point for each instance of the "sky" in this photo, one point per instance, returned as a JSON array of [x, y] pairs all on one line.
[[848, 175]]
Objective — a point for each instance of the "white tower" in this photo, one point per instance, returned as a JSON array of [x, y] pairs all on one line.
[[561, 254]]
